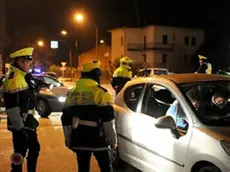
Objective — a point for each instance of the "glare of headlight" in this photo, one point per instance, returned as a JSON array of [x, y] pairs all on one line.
[[61, 99]]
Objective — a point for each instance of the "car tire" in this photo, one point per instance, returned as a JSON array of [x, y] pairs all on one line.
[[43, 107], [209, 169]]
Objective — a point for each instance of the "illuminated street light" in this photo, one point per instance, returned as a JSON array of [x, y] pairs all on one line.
[[40, 43], [79, 17], [63, 32], [102, 41]]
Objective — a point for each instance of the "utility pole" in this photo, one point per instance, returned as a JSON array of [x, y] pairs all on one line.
[[137, 13], [144, 55], [96, 43]]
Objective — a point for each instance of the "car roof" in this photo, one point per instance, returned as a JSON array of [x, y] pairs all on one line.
[[189, 78], [153, 69]]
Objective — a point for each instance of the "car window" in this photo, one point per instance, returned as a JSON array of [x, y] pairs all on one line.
[[160, 72], [50, 80], [132, 95], [177, 113], [159, 101], [209, 101]]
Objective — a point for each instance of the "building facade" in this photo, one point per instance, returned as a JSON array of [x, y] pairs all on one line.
[[104, 56], [159, 46]]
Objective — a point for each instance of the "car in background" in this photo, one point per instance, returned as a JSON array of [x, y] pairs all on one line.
[[154, 137], [51, 74], [152, 71], [50, 99], [223, 72], [51, 96]]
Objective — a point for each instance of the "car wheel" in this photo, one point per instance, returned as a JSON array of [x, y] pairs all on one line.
[[43, 108], [209, 169]]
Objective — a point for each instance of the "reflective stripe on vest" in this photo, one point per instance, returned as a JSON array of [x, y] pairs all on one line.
[[209, 68]]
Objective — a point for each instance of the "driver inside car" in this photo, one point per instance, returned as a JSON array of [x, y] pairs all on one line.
[[218, 108]]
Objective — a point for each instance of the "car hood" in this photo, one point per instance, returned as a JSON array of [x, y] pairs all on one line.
[[219, 133], [56, 91]]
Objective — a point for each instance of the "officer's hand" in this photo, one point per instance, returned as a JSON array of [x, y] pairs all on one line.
[[114, 146], [116, 88]]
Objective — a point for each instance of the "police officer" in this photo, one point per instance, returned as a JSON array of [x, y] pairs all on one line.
[[122, 74], [205, 66], [88, 120], [21, 122]]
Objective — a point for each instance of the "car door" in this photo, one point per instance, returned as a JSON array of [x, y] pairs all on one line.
[[158, 149], [125, 121]]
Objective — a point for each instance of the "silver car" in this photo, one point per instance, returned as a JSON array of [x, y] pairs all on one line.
[[49, 99], [161, 130], [152, 71]]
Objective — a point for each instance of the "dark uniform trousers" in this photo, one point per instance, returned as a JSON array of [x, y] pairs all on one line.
[[23, 141], [102, 157]]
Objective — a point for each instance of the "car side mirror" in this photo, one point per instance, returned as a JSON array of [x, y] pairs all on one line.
[[167, 122]]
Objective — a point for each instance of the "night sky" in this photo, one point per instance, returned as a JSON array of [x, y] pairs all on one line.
[[55, 15]]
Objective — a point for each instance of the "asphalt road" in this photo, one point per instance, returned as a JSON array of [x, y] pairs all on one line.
[[54, 156]]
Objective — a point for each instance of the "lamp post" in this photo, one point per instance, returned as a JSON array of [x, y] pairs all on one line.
[[63, 32], [79, 17]]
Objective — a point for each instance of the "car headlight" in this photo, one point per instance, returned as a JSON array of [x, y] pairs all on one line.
[[61, 99], [226, 146]]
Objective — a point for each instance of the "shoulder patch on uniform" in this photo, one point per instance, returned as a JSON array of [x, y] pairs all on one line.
[[102, 88], [11, 75]]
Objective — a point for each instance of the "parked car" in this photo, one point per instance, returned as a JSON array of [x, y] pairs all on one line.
[[51, 74], [152, 71], [223, 72], [50, 99], [150, 140]]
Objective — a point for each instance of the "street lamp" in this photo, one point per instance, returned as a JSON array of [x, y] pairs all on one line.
[[80, 18], [40, 43], [63, 32]]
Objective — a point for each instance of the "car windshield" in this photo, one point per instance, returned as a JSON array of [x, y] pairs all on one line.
[[210, 101], [50, 80]]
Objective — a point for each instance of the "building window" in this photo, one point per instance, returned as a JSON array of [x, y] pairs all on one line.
[[122, 41], [164, 58], [165, 39], [186, 40], [185, 58], [193, 42]]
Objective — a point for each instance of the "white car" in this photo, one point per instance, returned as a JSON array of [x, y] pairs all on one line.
[[152, 141], [153, 71]]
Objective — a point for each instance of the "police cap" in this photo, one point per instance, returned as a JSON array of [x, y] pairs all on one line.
[[202, 57], [25, 53], [91, 67], [126, 59]]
